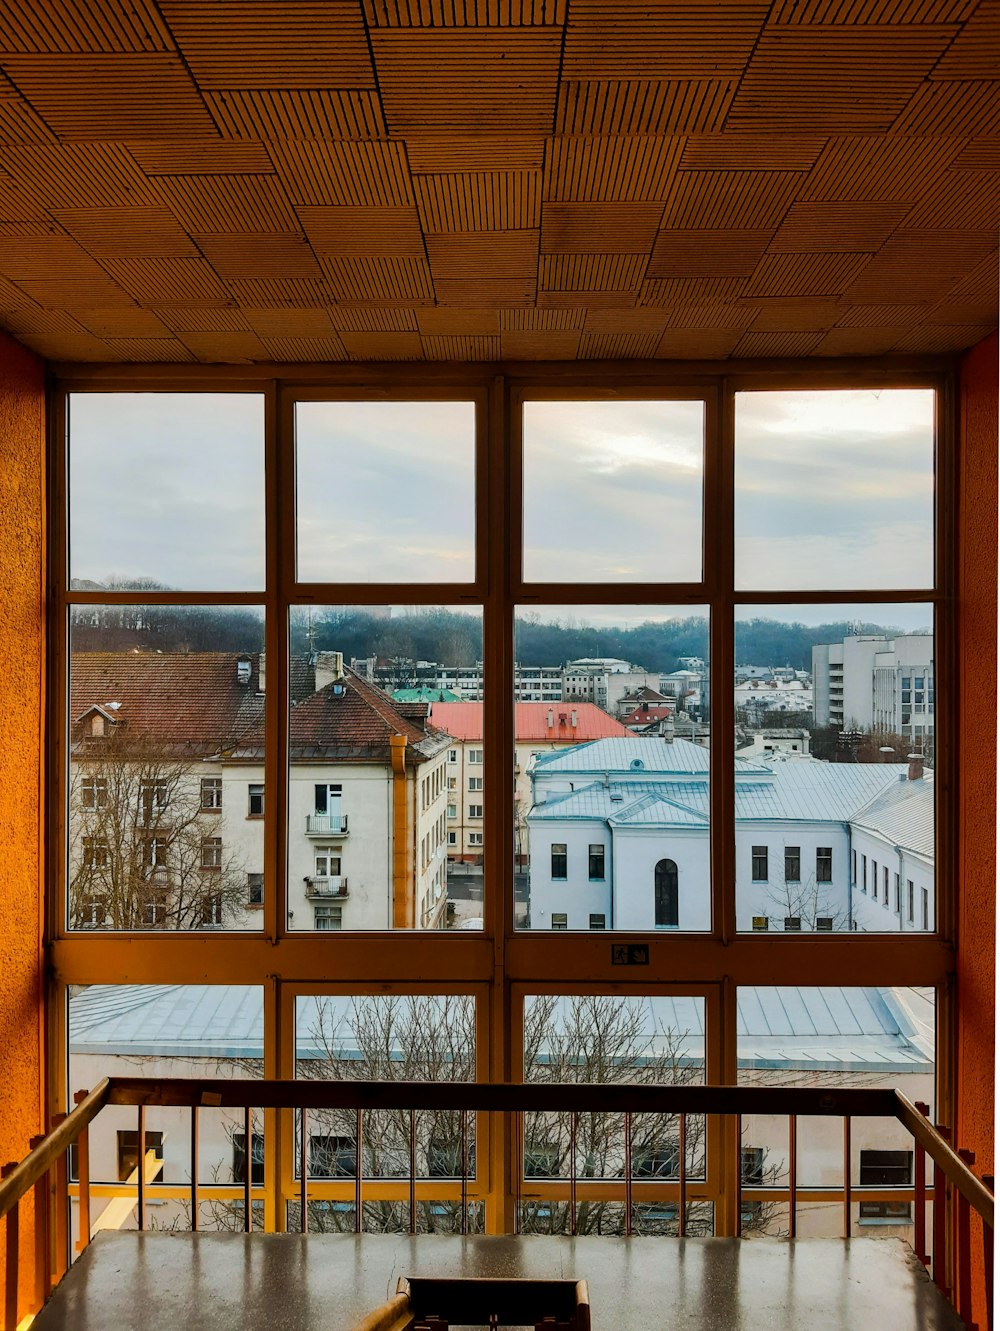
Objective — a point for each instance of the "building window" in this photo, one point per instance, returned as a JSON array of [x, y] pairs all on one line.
[[595, 862], [864, 873], [558, 860], [452, 758], [475, 783], [155, 852], [128, 1153], [94, 792], [475, 755], [95, 852], [211, 909], [255, 889], [452, 810], [475, 838], [154, 911], [93, 912], [909, 899], [899, 894], [452, 836], [332, 1157], [211, 792], [154, 795], [597, 922], [475, 811], [559, 920], [255, 800], [854, 868], [885, 886], [665, 894], [328, 916], [824, 864], [886, 1169], [256, 1158], [211, 852], [925, 908], [758, 864], [326, 862], [793, 864]]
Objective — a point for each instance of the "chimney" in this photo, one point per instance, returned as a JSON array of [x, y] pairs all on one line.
[[243, 671], [916, 766], [260, 673], [549, 719], [572, 718], [667, 731], [329, 669]]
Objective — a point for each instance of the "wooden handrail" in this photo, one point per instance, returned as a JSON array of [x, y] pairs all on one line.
[[955, 1169], [58, 1141]]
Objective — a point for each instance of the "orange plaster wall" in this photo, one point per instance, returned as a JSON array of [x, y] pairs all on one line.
[[22, 659], [977, 670]]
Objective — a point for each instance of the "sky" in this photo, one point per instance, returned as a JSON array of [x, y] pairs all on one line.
[[833, 489]]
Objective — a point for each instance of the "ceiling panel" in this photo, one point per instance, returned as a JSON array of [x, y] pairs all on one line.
[[255, 180]]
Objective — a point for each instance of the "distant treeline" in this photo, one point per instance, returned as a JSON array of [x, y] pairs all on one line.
[[447, 636]]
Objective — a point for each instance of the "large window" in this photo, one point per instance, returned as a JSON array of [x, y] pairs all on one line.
[[609, 685]]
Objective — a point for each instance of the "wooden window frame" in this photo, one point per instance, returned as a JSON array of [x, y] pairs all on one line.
[[499, 962]]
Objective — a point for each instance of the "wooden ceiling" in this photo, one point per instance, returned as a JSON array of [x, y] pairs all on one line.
[[331, 180]]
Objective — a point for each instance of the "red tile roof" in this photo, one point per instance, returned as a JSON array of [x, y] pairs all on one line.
[[464, 720]]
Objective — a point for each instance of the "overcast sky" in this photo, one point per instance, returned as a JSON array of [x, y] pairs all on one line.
[[833, 490]]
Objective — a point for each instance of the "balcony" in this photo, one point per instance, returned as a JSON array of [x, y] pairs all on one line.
[[326, 824], [326, 887]]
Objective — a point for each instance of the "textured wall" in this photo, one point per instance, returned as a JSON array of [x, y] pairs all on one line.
[[22, 475], [977, 673]]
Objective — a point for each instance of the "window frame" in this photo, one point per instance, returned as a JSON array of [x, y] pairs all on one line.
[[501, 958]]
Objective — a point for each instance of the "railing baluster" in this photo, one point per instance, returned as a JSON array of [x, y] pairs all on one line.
[[682, 1144], [43, 1273], [963, 1247], [83, 1179], [12, 1265], [847, 1176], [413, 1171], [140, 1204], [940, 1218], [988, 1180], [359, 1169], [465, 1172], [59, 1197], [518, 1166], [572, 1173], [792, 1172], [738, 1119], [248, 1170], [194, 1169], [303, 1167], [920, 1193], [628, 1174]]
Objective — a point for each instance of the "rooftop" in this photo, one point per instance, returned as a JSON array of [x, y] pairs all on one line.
[[464, 720]]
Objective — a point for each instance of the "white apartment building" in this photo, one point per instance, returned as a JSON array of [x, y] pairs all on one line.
[[873, 682], [531, 683], [604, 680], [618, 837], [167, 797]]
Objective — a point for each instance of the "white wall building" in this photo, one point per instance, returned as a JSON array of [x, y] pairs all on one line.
[[619, 838], [872, 682]]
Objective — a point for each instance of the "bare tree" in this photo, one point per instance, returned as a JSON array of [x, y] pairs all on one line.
[[807, 901], [144, 853]]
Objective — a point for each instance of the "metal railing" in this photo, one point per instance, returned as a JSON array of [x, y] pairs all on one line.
[[953, 1194]]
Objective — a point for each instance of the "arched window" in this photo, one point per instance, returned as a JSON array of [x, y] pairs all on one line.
[[665, 887]]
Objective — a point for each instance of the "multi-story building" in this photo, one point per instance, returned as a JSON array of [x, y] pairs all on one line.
[[167, 796], [874, 682], [619, 839], [538, 728], [604, 680], [465, 683]]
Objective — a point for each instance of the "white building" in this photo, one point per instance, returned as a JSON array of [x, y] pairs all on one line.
[[619, 838], [604, 680], [167, 796], [765, 696], [872, 682]]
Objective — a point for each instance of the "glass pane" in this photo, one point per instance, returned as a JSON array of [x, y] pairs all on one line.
[[401, 1037], [835, 768], [400, 479], [199, 1031], [613, 491], [835, 489], [612, 768], [382, 745], [841, 1038], [605, 1039], [166, 752], [166, 490]]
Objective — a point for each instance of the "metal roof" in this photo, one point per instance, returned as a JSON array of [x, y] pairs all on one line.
[[904, 815], [878, 1031], [628, 754]]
